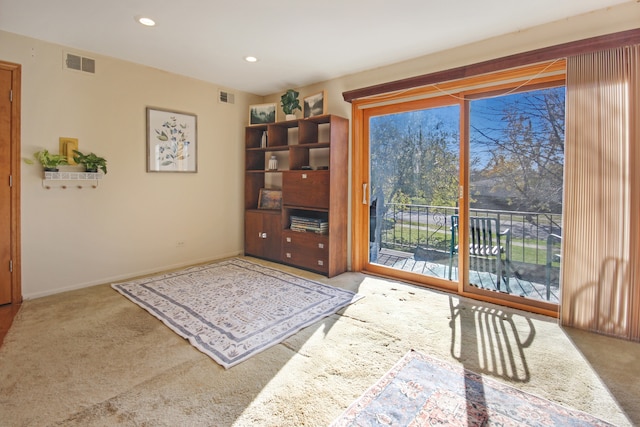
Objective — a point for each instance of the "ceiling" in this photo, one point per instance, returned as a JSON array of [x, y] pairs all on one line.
[[297, 42]]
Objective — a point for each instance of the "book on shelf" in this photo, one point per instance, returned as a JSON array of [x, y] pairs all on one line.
[[316, 225], [308, 230], [308, 220]]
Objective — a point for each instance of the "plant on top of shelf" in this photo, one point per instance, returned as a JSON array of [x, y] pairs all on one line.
[[90, 161], [290, 103], [49, 162]]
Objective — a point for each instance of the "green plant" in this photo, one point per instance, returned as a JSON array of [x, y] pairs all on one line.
[[50, 161], [290, 102], [90, 161]]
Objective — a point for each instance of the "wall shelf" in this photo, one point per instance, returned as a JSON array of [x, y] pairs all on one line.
[[71, 179]]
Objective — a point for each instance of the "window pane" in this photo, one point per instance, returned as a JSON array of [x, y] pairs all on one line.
[[516, 176], [414, 189]]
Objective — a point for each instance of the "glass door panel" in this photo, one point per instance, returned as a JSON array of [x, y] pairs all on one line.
[[516, 167], [414, 160]]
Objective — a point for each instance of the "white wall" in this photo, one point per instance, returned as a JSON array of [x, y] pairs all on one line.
[[623, 17], [611, 20], [132, 223]]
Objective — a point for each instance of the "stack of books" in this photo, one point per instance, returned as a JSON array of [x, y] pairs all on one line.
[[315, 225]]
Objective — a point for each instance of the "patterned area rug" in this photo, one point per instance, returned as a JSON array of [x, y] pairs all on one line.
[[234, 309], [423, 391]]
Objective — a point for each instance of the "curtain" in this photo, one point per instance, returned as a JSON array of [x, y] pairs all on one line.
[[601, 225]]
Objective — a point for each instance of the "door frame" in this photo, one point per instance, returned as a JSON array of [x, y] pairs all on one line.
[[361, 201], [543, 74], [16, 275]]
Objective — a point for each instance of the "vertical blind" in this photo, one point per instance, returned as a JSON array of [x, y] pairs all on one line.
[[601, 225]]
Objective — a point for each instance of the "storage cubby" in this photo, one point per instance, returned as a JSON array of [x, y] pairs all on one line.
[[312, 170]]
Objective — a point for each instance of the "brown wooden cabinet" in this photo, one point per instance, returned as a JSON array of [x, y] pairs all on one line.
[[306, 188], [312, 173], [263, 234]]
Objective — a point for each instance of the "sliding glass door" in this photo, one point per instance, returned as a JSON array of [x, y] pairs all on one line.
[[414, 170], [464, 191], [516, 164]]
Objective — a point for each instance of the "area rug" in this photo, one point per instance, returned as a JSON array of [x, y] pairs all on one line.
[[423, 391], [233, 309]]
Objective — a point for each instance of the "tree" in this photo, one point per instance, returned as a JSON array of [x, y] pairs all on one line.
[[414, 158], [519, 140]]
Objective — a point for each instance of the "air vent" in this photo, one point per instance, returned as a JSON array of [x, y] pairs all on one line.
[[73, 62], [89, 65], [79, 63], [226, 97]]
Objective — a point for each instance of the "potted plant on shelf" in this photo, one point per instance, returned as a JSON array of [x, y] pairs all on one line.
[[50, 162], [290, 103], [90, 161]]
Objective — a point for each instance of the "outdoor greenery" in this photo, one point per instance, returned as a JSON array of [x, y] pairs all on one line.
[[516, 161], [521, 139], [517, 154], [415, 159]]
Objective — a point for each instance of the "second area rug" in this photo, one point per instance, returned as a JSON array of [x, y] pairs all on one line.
[[423, 391], [233, 309]]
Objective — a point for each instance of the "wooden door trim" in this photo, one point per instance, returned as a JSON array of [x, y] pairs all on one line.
[[360, 111], [578, 47], [16, 275]]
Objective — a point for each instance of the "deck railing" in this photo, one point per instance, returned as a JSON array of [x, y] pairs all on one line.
[[406, 227]]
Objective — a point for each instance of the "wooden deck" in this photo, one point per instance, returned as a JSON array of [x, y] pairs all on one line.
[[517, 286]]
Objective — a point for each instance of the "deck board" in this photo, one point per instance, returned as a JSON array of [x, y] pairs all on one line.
[[405, 261]]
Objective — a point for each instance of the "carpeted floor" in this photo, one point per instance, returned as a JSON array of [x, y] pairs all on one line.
[[92, 358]]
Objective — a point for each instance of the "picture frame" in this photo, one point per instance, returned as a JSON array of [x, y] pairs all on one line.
[[270, 199], [314, 105], [172, 141], [261, 114]]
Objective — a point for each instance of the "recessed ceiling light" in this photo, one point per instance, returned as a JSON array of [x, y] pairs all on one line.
[[251, 59], [145, 21]]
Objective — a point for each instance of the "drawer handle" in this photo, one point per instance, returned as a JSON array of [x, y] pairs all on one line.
[[321, 245], [288, 239], [262, 235], [304, 176], [320, 262], [288, 255]]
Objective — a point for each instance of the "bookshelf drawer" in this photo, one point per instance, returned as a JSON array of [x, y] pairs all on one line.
[[309, 242], [306, 261], [308, 250]]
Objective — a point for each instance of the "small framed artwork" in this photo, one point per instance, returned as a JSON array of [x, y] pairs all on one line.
[[262, 114], [270, 199], [172, 144], [315, 105]]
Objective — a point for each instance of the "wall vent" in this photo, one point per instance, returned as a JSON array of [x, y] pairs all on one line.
[[75, 62], [226, 97], [89, 65]]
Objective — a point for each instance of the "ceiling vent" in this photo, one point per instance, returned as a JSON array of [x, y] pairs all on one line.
[[226, 97], [75, 62]]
